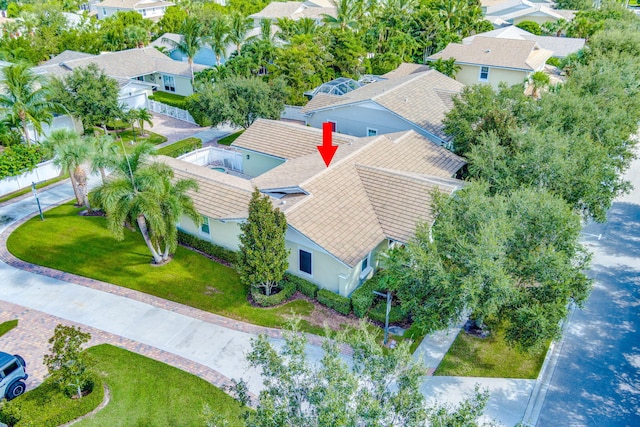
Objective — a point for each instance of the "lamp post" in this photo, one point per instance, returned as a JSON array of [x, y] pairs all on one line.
[[386, 320], [35, 194]]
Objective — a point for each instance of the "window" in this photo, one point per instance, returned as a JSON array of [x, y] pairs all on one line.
[[104, 11], [169, 83], [372, 132], [365, 263], [484, 74], [305, 261], [141, 78], [204, 227], [10, 369], [334, 125]]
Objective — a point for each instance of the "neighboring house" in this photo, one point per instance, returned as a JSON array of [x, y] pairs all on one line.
[[492, 61], [138, 71], [339, 218], [150, 9], [512, 12], [313, 9], [409, 99], [560, 46]]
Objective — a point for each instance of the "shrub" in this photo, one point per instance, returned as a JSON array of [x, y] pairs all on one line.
[[363, 297], [554, 61], [304, 286], [181, 147], [332, 300], [207, 247], [287, 289], [379, 312]]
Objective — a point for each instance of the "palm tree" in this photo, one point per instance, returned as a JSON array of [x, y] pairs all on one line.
[[217, 36], [136, 36], [143, 116], [147, 195], [539, 80], [70, 151], [238, 28], [191, 41], [24, 101], [104, 154], [347, 14]]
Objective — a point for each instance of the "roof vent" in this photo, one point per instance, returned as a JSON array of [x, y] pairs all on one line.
[[487, 51], [284, 202]]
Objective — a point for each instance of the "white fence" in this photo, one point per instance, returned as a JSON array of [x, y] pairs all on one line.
[[43, 172], [168, 110], [208, 156], [292, 112]]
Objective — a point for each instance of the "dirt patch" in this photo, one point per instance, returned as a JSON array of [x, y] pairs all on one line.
[[322, 315], [210, 290], [95, 212], [105, 402]]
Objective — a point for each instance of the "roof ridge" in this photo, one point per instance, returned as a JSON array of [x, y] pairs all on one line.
[[412, 77], [418, 177]]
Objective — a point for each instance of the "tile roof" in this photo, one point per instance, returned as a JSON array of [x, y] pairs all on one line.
[[512, 9], [293, 10], [560, 46], [67, 55], [220, 196], [405, 69], [493, 52], [284, 139], [422, 98], [123, 64]]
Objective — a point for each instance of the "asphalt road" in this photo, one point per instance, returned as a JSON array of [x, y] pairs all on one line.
[[596, 381]]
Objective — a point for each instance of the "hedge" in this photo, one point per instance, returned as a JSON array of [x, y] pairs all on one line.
[[288, 288], [207, 247], [304, 286], [363, 297], [332, 300], [181, 147]]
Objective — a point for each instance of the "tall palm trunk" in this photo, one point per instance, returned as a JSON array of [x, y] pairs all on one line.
[[25, 131], [191, 69], [74, 184], [142, 224], [83, 188]]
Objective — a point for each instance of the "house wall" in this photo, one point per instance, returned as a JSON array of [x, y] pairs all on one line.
[[255, 164], [225, 234], [540, 19], [470, 75], [182, 84], [155, 12], [59, 122], [355, 119]]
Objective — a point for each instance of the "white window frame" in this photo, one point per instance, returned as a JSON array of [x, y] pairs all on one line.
[[375, 132], [486, 79], [310, 264], [165, 79], [207, 223]]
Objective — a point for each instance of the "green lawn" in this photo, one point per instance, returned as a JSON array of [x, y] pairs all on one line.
[[7, 326], [149, 393], [470, 356], [153, 138], [144, 392], [181, 147], [227, 140], [82, 245]]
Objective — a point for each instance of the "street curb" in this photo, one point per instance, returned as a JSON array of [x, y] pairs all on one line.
[[541, 387]]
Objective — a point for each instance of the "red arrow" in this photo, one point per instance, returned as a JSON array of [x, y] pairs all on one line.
[[326, 149]]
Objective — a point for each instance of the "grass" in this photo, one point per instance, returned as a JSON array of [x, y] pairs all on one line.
[[144, 392], [7, 326], [83, 245], [471, 356], [180, 147], [150, 393], [26, 190], [227, 140], [153, 138]]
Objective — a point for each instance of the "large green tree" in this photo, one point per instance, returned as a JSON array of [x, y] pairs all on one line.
[[380, 388], [513, 262], [88, 93], [146, 194], [241, 100], [263, 257], [66, 362], [24, 100]]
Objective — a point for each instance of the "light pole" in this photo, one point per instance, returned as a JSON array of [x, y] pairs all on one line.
[[35, 194], [386, 320]]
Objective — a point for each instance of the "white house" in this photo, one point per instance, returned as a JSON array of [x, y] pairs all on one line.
[[151, 9], [512, 12], [313, 9]]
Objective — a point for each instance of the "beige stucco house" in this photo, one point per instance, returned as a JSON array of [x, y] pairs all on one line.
[[312, 9], [341, 217], [138, 71], [513, 12], [493, 61], [412, 97]]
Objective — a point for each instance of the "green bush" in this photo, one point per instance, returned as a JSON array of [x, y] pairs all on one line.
[[379, 312], [363, 297], [554, 61], [191, 105], [207, 247], [332, 300], [177, 101], [18, 159], [304, 286], [60, 408], [181, 147], [287, 289]]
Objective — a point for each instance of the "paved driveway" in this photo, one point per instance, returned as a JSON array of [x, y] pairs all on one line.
[[597, 378], [173, 129]]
